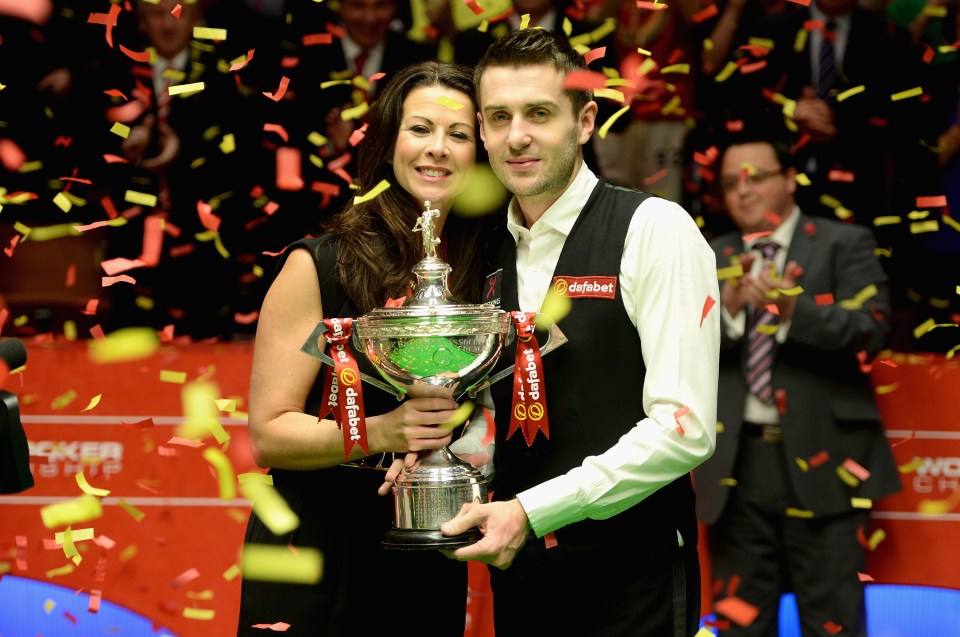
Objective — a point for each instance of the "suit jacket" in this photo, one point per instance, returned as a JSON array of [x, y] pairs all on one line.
[[829, 401]]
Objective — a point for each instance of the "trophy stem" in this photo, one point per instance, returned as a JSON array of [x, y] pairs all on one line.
[[430, 494]]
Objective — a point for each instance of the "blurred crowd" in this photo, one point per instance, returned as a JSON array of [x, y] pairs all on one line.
[[157, 156]]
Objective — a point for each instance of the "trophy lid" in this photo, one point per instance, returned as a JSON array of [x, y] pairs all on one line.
[[431, 301]]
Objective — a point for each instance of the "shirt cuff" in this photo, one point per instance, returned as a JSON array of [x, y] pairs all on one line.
[[551, 505], [734, 324]]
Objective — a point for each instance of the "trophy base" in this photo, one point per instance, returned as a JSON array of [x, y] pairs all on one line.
[[428, 539]]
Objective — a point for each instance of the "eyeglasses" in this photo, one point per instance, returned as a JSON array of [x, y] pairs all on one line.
[[728, 184]]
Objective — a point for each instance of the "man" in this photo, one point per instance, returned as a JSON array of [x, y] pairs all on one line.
[[592, 523], [802, 452]]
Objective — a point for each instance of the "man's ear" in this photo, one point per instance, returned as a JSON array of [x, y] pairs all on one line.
[[588, 121], [480, 129]]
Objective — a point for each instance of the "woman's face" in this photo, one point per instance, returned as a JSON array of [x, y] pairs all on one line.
[[436, 144]]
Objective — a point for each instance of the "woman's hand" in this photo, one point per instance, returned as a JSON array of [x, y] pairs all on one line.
[[413, 426]]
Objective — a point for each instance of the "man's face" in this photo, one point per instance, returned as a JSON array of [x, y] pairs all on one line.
[[167, 34], [531, 133], [757, 190], [367, 21]]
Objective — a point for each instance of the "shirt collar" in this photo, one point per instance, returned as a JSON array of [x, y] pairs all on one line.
[[841, 22], [563, 213], [782, 235]]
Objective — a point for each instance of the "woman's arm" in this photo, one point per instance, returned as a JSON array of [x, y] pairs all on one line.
[[282, 435]]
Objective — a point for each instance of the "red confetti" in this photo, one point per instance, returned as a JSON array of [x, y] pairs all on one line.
[[107, 281], [823, 299], [317, 38], [136, 56], [732, 585], [96, 332], [278, 129], [175, 12], [357, 136], [246, 319], [643, 4], [277, 627], [473, 6], [832, 628], [491, 427], [657, 176], [185, 577], [856, 469], [707, 306], [91, 307], [865, 367], [938, 201], [818, 459], [705, 14], [13, 245], [281, 90], [549, 540], [900, 442], [737, 610], [810, 228], [864, 577], [840, 175], [781, 397], [586, 80], [209, 220], [677, 415], [95, 596], [594, 54], [734, 125], [71, 275], [115, 159]]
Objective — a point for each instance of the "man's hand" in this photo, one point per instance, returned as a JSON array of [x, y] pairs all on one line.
[[787, 304], [742, 291], [505, 528], [814, 117]]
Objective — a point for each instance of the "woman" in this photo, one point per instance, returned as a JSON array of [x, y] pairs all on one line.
[[424, 145]]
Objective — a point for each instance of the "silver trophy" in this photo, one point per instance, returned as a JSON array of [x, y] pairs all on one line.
[[433, 345]]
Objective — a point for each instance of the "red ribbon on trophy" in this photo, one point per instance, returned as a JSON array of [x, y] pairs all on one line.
[[529, 409], [341, 387]]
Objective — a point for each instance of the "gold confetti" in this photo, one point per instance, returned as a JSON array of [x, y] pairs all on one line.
[[140, 198], [270, 507], [224, 469], [374, 192], [81, 509], [268, 563], [850, 92], [133, 511], [86, 488]]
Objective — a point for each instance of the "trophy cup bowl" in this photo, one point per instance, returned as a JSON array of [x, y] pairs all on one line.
[[433, 345]]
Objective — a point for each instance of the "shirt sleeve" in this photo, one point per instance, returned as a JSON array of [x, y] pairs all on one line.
[[668, 272]]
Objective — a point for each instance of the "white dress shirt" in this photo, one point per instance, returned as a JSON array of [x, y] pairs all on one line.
[[735, 326], [666, 274]]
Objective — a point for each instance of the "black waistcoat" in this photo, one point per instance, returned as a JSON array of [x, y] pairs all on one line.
[[593, 383]]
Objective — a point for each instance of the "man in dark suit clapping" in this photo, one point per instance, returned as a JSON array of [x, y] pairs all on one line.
[[802, 452]]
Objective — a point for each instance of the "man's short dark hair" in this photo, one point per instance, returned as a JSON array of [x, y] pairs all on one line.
[[530, 47], [781, 149]]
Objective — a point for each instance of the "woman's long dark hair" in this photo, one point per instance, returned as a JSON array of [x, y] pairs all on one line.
[[375, 246]]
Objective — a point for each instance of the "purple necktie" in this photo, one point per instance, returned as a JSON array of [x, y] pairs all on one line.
[[760, 345], [828, 62]]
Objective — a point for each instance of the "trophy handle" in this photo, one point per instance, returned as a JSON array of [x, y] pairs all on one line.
[[555, 338], [311, 348]]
